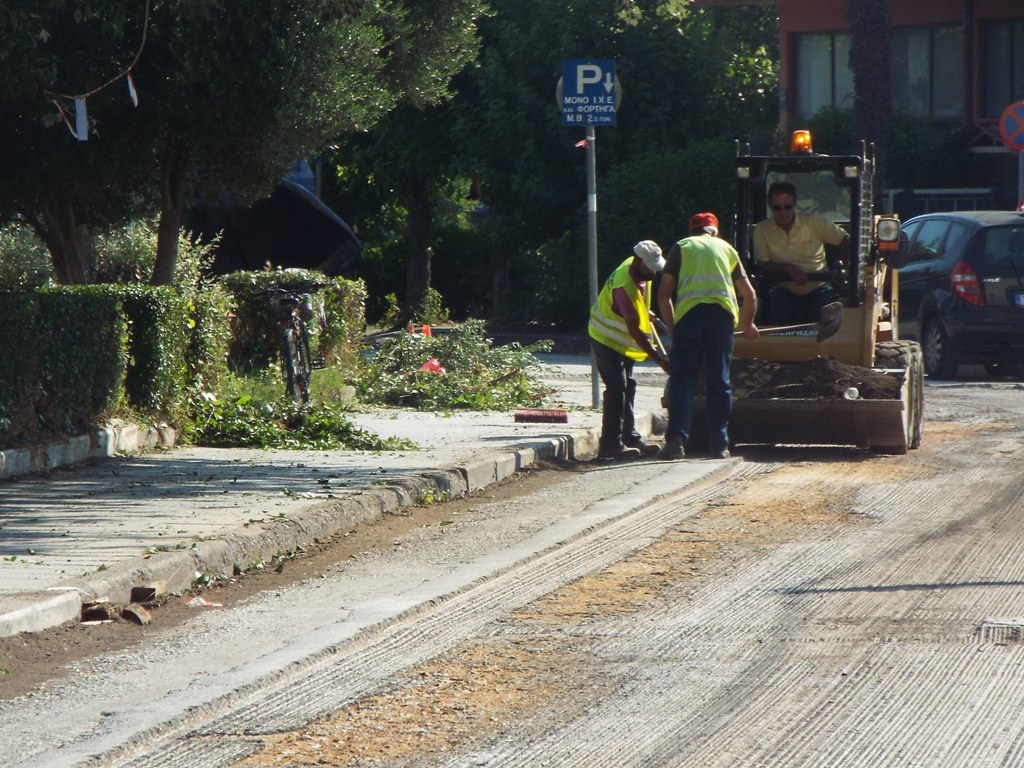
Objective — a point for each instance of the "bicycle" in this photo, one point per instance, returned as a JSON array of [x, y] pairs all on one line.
[[292, 307]]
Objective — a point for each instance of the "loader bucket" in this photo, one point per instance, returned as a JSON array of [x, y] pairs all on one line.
[[884, 426], [881, 425]]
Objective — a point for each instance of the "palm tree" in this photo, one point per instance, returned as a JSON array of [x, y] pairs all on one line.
[[871, 33]]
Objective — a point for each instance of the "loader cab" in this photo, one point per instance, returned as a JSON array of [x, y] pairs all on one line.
[[837, 188]]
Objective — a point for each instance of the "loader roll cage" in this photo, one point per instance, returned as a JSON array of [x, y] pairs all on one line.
[[836, 187]]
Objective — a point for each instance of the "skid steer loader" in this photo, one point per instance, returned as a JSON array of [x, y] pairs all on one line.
[[839, 188]]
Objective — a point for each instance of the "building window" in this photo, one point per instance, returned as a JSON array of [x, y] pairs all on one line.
[[1003, 65], [927, 71], [823, 71]]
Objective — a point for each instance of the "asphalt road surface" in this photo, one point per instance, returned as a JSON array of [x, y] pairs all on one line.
[[806, 607]]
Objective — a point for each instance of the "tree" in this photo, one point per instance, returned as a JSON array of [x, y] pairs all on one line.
[[59, 186], [687, 75], [230, 94], [407, 153]]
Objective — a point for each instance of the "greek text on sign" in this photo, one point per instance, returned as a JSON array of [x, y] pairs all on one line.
[[588, 92]]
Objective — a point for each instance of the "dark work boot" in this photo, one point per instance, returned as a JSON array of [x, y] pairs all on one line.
[[673, 449], [646, 449], [619, 452]]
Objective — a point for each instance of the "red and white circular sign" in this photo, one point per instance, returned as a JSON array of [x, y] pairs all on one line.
[[1011, 126]]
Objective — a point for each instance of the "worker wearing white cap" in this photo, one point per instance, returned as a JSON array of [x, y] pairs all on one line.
[[620, 330]]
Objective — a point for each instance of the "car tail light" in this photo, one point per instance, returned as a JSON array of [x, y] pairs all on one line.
[[966, 284]]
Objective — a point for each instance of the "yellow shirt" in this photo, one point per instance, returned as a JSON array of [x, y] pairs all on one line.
[[803, 246]]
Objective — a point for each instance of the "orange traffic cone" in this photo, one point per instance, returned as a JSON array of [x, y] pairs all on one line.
[[426, 330]]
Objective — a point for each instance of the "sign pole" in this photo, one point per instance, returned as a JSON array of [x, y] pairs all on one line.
[[1011, 130], [1020, 179], [592, 248], [588, 94]]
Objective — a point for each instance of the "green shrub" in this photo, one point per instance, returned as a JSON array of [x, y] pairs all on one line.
[[159, 323], [81, 339], [76, 355], [549, 287], [476, 374], [653, 196], [210, 338], [254, 345], [19, 364], [24, 260], [382, 269], [126, 254], [461, 268], [210, 307], [245, 422]]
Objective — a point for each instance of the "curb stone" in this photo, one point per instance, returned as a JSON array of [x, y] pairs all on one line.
[[115, 438], [238, 550]]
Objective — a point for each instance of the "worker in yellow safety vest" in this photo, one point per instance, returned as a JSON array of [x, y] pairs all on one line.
[[620, 329], [697, 300]]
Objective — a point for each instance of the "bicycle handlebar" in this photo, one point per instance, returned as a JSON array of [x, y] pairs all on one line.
[[293, 288]]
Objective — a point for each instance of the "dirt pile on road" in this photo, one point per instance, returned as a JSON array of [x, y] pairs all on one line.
[[817, 379]]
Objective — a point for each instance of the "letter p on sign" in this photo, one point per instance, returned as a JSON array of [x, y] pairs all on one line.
[[587, 74]]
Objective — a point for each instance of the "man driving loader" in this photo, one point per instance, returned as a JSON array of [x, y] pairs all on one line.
[[789, 247]]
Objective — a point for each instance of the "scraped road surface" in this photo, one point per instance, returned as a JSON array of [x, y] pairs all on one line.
[[804, 608]]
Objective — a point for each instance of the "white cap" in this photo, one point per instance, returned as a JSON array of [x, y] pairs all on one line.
[[649, 253]]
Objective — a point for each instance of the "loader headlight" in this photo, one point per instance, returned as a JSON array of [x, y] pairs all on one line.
[[887, 230]]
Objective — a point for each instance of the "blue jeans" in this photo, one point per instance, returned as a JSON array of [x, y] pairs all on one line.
[[788, 308], [618, 421], [702, 335]]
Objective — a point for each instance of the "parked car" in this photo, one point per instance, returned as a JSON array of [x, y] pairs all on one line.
[[961, 293]]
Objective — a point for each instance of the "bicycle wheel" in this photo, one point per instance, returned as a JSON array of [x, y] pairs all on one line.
[[303, 365], [296, 381]]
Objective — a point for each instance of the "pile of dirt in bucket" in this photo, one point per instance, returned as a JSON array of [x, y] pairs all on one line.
[[817, 379]]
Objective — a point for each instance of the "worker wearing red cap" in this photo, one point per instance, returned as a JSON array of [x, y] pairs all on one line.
[[697, 300]]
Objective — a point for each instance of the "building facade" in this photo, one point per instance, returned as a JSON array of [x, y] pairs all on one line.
[[956, 63]]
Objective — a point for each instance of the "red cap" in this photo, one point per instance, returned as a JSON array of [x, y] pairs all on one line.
[[701, 220]]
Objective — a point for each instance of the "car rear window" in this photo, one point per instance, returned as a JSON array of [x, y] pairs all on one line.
[[1003, 246]]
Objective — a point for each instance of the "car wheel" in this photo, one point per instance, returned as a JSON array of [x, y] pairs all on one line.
[[941, 361]]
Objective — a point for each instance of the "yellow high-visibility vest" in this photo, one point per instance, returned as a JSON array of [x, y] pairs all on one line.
[[607, 326], [706, 265]]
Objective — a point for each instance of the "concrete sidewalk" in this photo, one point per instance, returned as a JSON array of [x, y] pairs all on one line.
[[173, 518]]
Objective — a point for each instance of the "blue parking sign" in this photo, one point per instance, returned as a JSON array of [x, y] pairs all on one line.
[[588, 92]]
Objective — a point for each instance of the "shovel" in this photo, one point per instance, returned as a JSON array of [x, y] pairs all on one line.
[[831, 319], [657, 338]]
